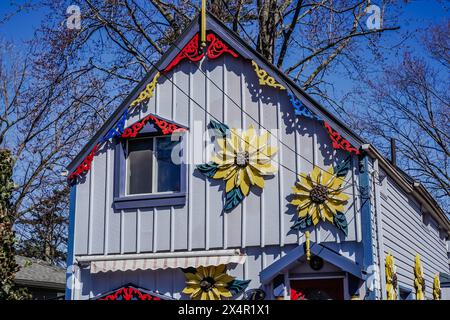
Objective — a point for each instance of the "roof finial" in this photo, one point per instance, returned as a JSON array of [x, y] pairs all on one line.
[[203, 24]]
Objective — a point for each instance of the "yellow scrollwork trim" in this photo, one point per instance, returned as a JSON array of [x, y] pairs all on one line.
[[391, 278], [265, 79], [147, 93]]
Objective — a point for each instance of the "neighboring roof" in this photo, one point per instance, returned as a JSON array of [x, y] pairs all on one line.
[[38, 273], [292, 257], [237, 43]]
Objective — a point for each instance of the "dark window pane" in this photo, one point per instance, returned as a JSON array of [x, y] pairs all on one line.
[[168, 172], [140, 158]]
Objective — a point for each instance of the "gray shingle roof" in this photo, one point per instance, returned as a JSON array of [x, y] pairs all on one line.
[[34, 272]]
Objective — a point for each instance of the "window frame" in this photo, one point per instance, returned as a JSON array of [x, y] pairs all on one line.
[[123, 200]]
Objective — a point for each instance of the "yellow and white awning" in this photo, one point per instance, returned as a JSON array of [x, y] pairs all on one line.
[[154, 261]]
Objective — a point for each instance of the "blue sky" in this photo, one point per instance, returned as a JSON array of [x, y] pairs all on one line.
[[416, 14], [413, 17]]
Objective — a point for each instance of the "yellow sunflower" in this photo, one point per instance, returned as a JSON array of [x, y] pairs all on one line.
[[243, 159], [208, 283], [319, 195]]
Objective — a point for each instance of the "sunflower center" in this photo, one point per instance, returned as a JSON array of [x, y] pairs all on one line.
[[207, 284], [319, 194], [241, 159]]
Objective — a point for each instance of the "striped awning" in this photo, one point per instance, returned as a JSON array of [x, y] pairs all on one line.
[[155, 261]]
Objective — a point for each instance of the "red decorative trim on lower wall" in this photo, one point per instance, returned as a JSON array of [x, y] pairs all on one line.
[[338, 141], [85, 166], [129, 293], [165, 126]]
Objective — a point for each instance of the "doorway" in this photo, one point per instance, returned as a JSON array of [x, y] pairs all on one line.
[[320, 289]]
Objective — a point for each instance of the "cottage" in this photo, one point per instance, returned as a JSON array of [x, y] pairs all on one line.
[[218, 178]]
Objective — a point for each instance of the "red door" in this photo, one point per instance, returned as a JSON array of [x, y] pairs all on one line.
[[320, 289]]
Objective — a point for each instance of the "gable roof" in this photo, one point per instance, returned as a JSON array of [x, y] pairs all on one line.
[[291, 258], [247, 52]]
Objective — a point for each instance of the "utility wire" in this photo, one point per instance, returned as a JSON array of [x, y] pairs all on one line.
[[347, 183], [246, 113]]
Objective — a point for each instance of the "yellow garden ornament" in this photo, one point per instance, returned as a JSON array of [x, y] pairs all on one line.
[[436, 288], [212, 283], [319, 196], [419, 281], [391, 278], [242, 160], [308, 246]]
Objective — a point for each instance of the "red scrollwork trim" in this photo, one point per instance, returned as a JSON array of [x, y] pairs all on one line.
[[217, 47], [193, 52], [190, 51], [129, 294], [165, 126], [338, 141], [85, 166]]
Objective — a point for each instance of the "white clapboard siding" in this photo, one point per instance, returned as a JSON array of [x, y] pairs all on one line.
[[405, 235]]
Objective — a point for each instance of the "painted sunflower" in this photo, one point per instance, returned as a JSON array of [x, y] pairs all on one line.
[[208, 283], [319, 195], [243, 159]]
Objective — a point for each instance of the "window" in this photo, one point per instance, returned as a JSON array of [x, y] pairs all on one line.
[[150, 168], [404, 293]]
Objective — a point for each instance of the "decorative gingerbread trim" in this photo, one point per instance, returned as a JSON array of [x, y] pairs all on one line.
[[194, 53], [265, 79], [147, 93], [117, 130], [85, 166], [338, 141], [190, 51], [129, 293], [217, 47], [300, 109], [165, 126]]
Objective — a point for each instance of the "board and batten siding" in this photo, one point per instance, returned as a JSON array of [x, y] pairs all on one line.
[[263, 219], [406, 232]]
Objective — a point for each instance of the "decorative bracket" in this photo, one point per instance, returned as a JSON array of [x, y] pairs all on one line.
[[338, 141], [147, 93], [265, 79]]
